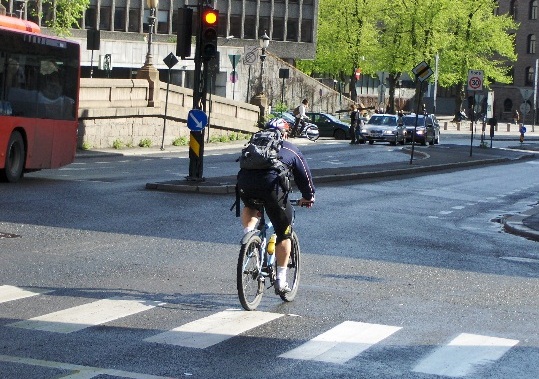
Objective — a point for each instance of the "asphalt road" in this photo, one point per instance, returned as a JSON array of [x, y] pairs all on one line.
[[408, 278]]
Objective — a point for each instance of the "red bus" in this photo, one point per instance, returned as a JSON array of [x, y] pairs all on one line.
[[39, 97]]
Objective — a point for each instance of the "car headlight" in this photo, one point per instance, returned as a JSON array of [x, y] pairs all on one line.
[[390, 132], [363, 130], [420, 131]]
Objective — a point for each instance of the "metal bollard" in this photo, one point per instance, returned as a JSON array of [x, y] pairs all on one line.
[[508, 127], [445, 125]]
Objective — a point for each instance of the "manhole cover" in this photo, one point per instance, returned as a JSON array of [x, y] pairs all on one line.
[[8, 235]]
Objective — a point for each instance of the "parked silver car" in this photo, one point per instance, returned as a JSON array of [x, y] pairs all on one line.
[[384, 128]]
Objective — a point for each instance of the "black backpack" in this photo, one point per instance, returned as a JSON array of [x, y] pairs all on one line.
[[262, 151]]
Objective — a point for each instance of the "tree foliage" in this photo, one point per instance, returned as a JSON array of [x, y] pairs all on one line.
[[67, 14], [393, 36]]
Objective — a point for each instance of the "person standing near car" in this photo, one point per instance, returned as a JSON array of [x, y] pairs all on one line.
[[354, 117], [300, 115]]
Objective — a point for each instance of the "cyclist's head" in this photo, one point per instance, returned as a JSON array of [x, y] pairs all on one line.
[[278, 124]]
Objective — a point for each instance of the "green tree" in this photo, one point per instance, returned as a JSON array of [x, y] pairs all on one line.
[[479, 40], [67, 14]]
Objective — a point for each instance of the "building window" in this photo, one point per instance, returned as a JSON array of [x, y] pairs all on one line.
[[531, 44], [533, 10], [249, 31], [119, 19], [307, 31], [134, 20], [292, 30], [278, 29], [507, 105], [264, 24], [89, 18], [235, 26], [221, 27], [104, 18], [530, 75], [513, 9]]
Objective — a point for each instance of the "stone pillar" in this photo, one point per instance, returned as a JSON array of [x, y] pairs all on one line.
[[150, 73], [262, 101]]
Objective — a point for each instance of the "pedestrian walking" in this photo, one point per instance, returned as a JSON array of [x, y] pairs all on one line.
[[354, 118], [299, 113]]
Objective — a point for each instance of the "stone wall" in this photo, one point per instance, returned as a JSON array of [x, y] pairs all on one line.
[[116, 110]]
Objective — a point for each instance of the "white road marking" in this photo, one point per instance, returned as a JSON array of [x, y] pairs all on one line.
[[445, 212], [521, 259], [341, 343], [81, 372], [10, 293], [464, 354], [83, 316], [213, 329], [458, 207]]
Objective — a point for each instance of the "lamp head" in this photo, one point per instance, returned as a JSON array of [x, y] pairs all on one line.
[[152, 3], [264, 41]]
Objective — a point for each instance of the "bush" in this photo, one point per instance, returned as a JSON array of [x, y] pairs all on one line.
[[146, 142], [117, 144], [181, 141], [86, 145]]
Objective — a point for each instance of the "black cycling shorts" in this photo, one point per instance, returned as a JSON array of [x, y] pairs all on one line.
[[275, 202]]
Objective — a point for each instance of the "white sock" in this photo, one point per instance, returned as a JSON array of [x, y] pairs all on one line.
[[281, 275], [246, 230]]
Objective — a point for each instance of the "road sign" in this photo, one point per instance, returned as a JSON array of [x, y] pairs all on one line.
[[250, 55], [196, 120], [422, 71], [526, 93], [234, 59], [475, 80], [233, 76], [525, 108]]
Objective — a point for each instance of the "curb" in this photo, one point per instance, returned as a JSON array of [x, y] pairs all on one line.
[[514, 224]]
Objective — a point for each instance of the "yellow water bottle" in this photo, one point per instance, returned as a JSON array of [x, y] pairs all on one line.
[[271, 244]]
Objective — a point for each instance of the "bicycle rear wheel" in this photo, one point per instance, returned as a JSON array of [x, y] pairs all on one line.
[[292, 274], [250, 283]]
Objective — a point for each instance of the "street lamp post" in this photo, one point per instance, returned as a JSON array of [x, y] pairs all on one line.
[[264, 43], [260, 99], [148, 71]]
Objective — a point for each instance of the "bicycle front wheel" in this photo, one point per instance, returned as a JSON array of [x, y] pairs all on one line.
[[250, 282], [312, 133], [292, 274]]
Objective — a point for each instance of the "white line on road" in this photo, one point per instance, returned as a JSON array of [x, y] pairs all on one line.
[[81, 372], [83, 316], [10, 293], [341, 343], [464, 354], [213, 329]]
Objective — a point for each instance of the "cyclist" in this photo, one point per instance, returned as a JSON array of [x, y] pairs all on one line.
[[300, 118], [265, 188]]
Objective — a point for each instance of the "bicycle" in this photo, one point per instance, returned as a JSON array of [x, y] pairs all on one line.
[[256, 266], [309, 131]]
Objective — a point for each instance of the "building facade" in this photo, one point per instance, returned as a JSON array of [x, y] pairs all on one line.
[[124, 27], [519, 94]]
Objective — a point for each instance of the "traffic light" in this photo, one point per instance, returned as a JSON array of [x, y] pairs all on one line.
[[185, 27], [210, 19]]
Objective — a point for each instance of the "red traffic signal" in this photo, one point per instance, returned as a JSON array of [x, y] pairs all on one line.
[[210, 19]]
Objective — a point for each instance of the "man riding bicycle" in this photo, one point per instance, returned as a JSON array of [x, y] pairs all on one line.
[[300, 118], [264, 188]]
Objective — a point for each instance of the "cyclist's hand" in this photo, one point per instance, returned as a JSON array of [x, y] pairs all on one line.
[[306, 203]]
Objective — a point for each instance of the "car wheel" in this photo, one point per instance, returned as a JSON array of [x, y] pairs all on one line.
[[431, 142], [339, 134], [15, 156], [371, 142], [424, 142]]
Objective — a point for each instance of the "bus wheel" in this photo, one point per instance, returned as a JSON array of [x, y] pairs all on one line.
[[14, 166]]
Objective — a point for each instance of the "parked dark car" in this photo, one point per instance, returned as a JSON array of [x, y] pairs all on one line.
[[329, 126], [384, 128], [427, 131]]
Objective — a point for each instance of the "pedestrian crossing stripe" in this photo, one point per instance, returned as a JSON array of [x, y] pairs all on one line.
[[341, 343], [464, 354], [213, 329], [11, 293], [83, 316]]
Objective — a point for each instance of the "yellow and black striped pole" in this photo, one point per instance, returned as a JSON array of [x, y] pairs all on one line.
[[196, 154]]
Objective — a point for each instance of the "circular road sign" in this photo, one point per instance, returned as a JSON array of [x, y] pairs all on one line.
[[475, 83]]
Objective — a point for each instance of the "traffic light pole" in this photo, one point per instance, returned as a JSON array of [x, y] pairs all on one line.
[[196, 140]]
